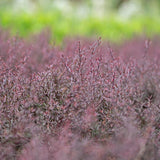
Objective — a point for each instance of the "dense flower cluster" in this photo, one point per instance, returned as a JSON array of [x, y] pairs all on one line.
[[84, 101]]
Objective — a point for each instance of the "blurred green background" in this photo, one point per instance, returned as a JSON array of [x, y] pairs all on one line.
[[114, 20]]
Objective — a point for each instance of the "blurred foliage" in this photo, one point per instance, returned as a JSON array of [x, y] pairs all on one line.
[[111, 28], [115, 4], [79, 20]]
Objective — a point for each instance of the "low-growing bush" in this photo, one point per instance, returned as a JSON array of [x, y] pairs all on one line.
[[83, 102]]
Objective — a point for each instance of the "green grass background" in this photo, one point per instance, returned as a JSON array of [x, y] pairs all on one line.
[[111, 28]]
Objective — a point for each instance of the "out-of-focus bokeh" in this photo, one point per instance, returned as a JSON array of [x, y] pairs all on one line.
[[111, 19]]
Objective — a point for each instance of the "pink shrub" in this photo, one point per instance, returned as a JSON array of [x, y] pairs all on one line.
[[82, 102]]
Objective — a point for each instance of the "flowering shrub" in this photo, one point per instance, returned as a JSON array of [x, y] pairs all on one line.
[[82, 102]]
